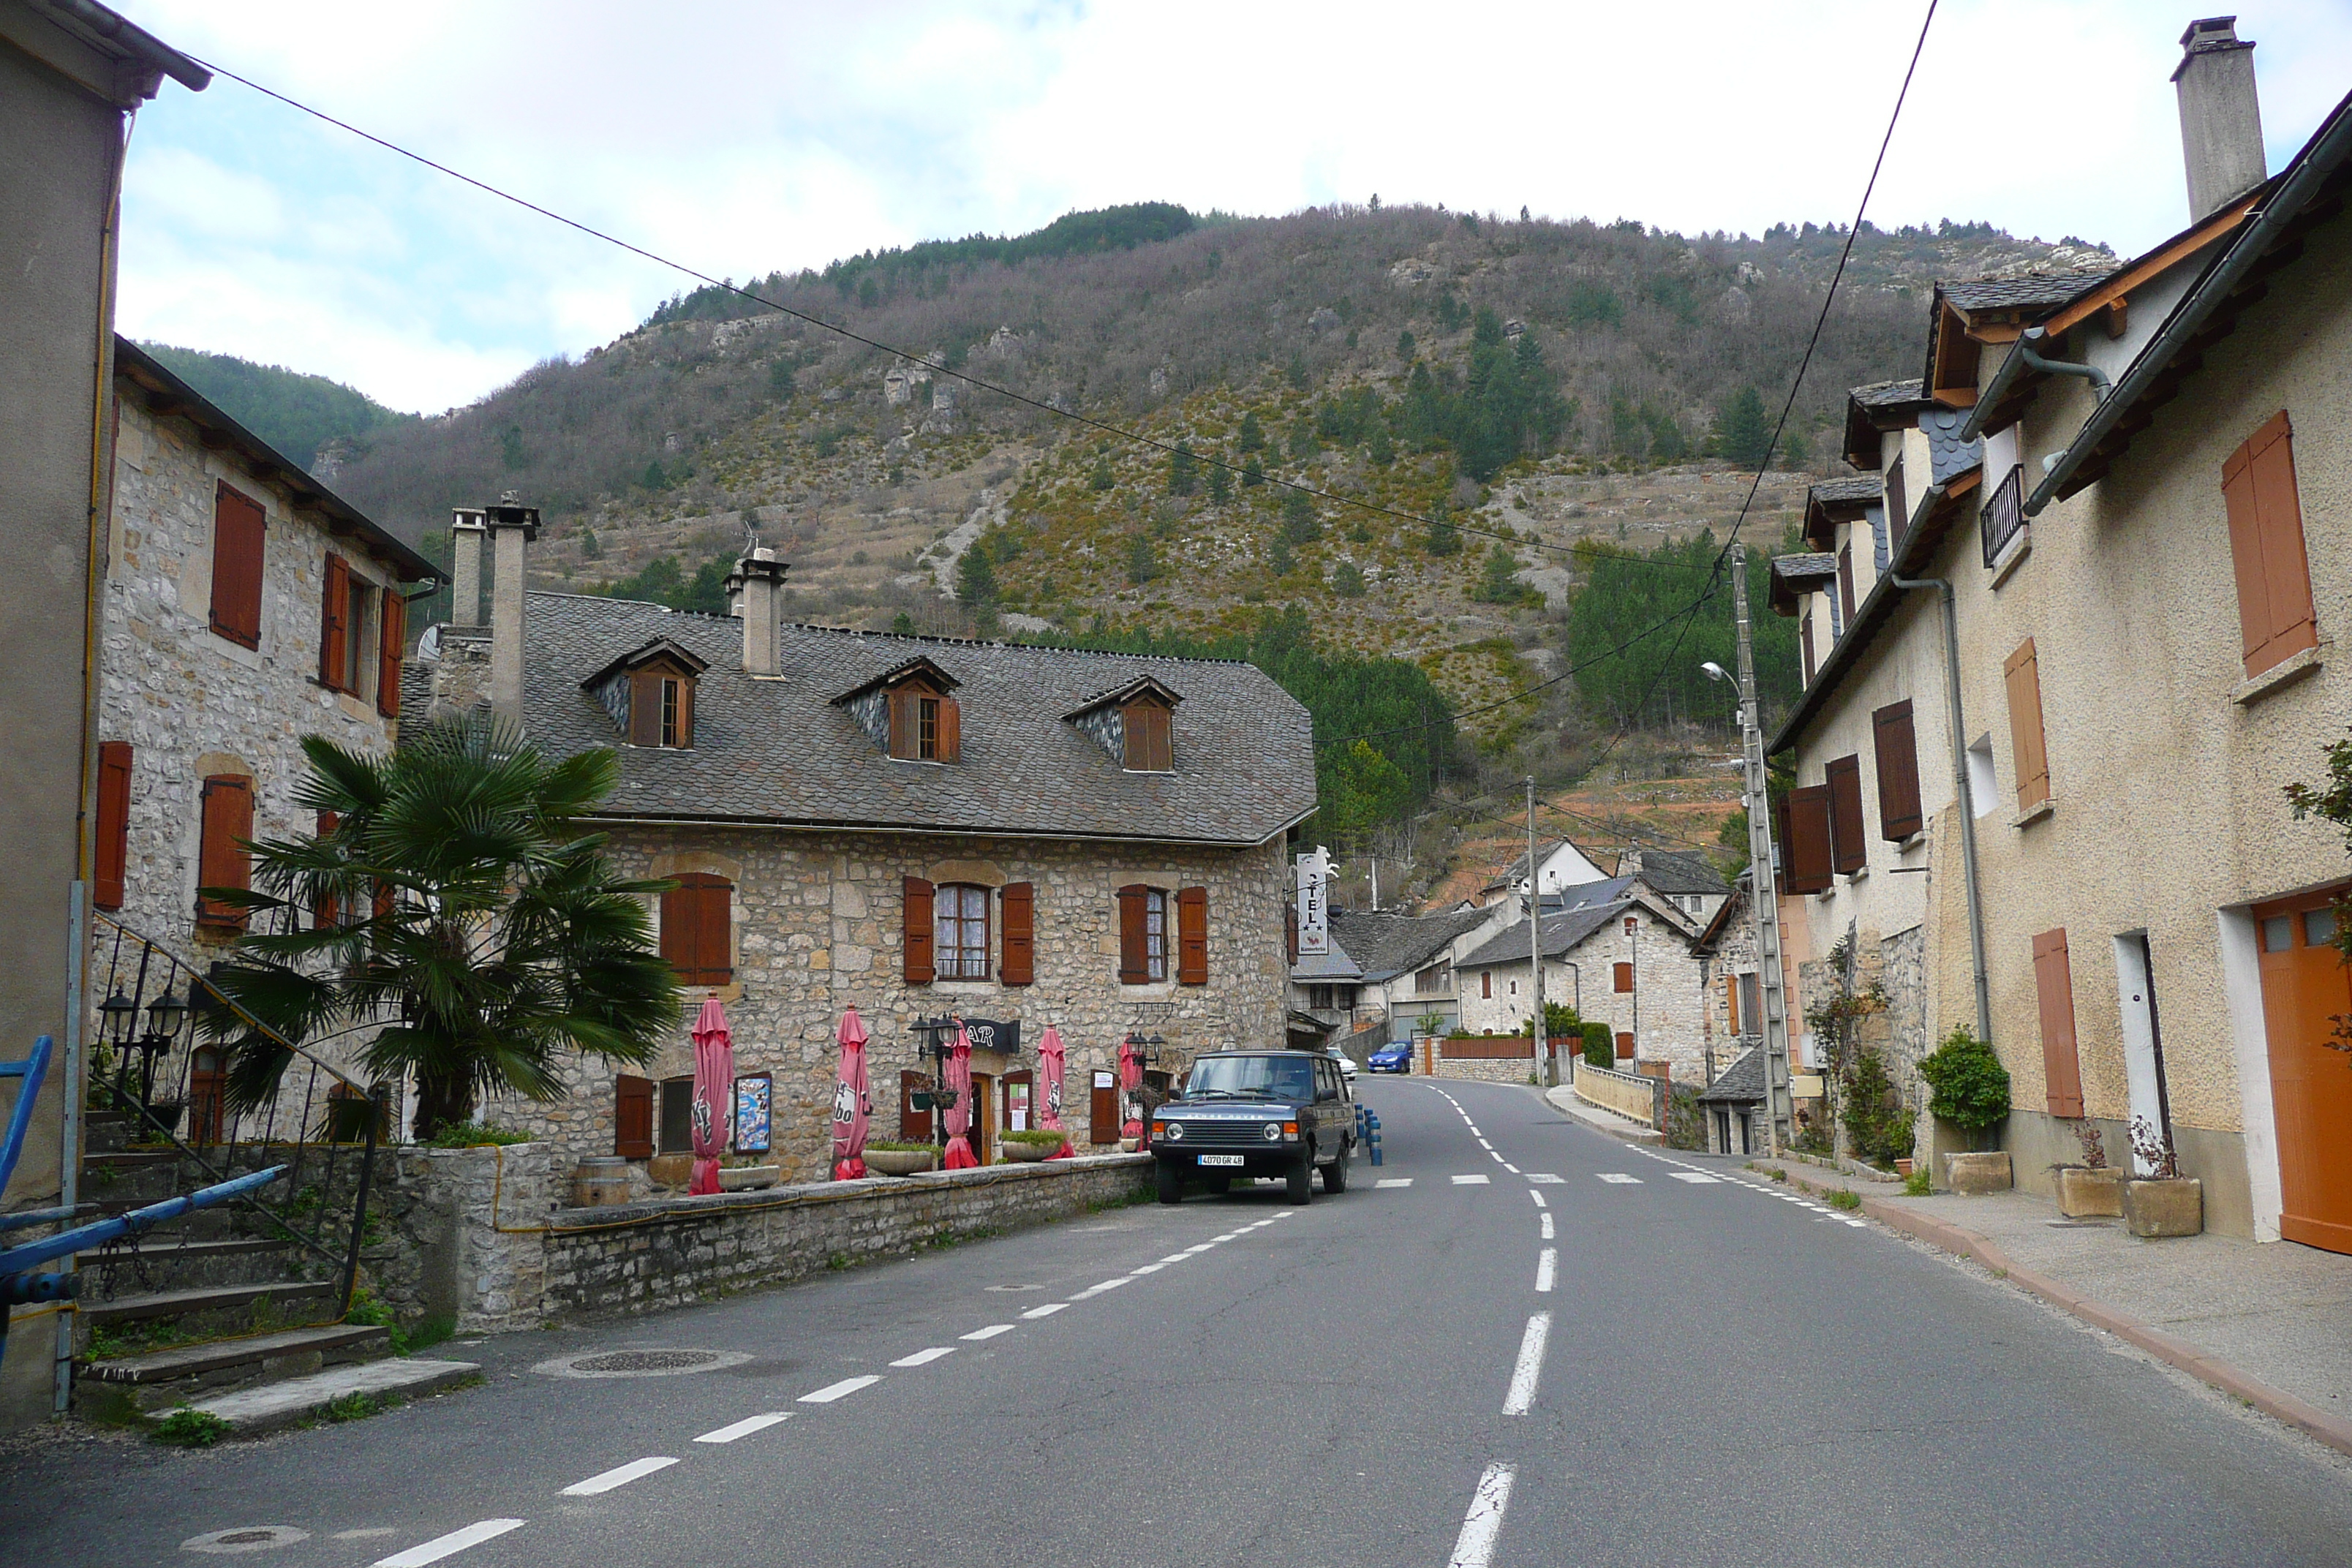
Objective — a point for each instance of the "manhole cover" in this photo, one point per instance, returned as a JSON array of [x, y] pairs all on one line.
[[247, 1538], [652, 1362]]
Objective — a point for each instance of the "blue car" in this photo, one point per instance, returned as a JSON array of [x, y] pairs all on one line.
[[1395, 1058]]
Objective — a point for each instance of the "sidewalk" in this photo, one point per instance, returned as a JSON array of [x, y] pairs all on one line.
[[1564, 1098]]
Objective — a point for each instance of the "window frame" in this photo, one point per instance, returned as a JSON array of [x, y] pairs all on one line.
[[959, 959], [1148, 737]]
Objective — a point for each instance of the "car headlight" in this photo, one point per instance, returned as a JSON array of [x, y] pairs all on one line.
[[1174, 1132], [1273, 1131]]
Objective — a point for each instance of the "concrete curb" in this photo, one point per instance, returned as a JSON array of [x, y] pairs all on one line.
[[2209, 1370]]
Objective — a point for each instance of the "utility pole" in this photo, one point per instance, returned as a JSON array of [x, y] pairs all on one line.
[[1535, 943], [1779, 1113]]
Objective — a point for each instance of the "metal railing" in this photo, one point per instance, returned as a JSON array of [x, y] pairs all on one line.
[[2004, 515], [159, 1057]]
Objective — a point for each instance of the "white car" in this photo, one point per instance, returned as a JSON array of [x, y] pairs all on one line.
[[1347, 1063]]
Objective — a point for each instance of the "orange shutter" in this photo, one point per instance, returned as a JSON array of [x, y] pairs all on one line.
[[391, 645], [1731, 1002], [2029, 747], [238, 530], [1624, 976], [1846, 583], [645, 708], [685, 684], [334, 624], [1805, 853], [1805, 637], [1018, 965], [950, 741], [2053, 986], [1134, 936], [113, 848], [2266, 547], [633, 1118], [915, 914], [902, 724], [697, 929], [1192, 936], [1896, 747], [222, 858]]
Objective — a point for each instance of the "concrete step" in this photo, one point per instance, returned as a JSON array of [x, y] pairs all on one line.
[[272, 1406], [170, 1261], [129, 1159], [125, 1386], [215, 1306]]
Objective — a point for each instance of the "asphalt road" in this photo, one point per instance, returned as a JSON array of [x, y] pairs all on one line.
[[1704, 1372]]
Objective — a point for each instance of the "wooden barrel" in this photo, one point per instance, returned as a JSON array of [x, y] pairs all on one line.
[[600, 1181]]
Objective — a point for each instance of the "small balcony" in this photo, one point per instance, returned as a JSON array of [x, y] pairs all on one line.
[[2004, 515]]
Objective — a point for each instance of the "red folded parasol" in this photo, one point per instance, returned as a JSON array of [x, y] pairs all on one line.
[[1052, 1063], [714, 1085], [960, 1156], [853, 1101], [1130, 1080]]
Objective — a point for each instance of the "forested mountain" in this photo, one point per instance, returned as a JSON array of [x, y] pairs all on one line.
[[299, 414]]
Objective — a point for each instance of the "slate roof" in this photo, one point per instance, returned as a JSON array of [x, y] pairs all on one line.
[[1560, 933], [1890, 394], [1517, 870], [779, 750], [1386, 945], [1324, 968], [1586, 894], [1863, 488], [1673, 871], [1741, 1083], [1947, 455], [2020, 292]]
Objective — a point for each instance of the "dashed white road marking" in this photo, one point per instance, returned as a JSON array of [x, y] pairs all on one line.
[[1227, 1237], [925, 1358], [448, 1545], [1538, 1198], [1474, 1547], [1546, 1177], [1093, 1290], [1546, 1217], [833, 1391], [1508, 1166], [989, 1332], [751, 1424], [619, 1475], [1146, 1269], [1697, 1178], [1047, 1310], [1529, 1367], [1477, 1181], [1393, 1181], [1176, 1258], [1620, 1179], [1544, 1264]]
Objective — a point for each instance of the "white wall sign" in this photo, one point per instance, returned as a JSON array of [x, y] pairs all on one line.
[[1313, 913]]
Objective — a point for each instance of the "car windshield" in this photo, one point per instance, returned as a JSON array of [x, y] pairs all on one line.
[[1251, 1078]]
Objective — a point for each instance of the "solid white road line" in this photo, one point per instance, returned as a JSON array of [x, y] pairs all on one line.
[[1474, 1547], [1544, 1263], [1546, 1217], [447, 1545], [989, 1332], [1393, 1181], [925, 1358], [1047, 1310], [751, 1424], [620, 1476], [1478, 1181], [833, 1391], [1619, 1178], [1546, 1177], [1530, 1366], [1697, 1178]]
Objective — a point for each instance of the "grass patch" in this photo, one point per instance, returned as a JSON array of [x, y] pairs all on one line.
[[359, 1406], [1844, 1198], [1123, 1201], [186, 1428], [1919, 1183], [1779, 1175]]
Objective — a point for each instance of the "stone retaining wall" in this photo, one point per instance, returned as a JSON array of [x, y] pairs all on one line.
[[475, 1234], [1627, 1094]]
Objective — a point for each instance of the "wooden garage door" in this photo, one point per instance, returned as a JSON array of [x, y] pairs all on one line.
[[2305, 989]]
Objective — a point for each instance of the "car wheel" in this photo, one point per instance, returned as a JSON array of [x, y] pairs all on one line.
[[1335, 1174], [1300, 1187], [1170, 1182], [1218, 1185]]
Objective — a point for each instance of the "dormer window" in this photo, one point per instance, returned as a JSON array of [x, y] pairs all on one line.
[[910, 712], [1135, 722], [650, 694], [1148, 722]]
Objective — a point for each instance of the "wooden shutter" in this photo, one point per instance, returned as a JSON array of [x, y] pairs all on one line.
[[1846, 583], [1848, 853], [1192, 936], [685, 684], [2053, 986], [113, 846], [1485, 984], [1624, 1046], [1806, 851], [645, 708], [1146, 726], [1896, 747], [950, 738], [915, 917], [2029, 748], [633, 1117], [914, 1126], [902, 724], [1805, 637], [392, 646], [327, 910], [238, 530], [1017, 964], [334, 624], [1134, 936], [697, 929], [222, 858], [1290, 929], [2266, 547], [1622, 976], [1731, 1002], [1102, 1114]]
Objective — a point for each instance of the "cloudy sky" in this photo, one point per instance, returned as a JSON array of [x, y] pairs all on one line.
[[741, 135]]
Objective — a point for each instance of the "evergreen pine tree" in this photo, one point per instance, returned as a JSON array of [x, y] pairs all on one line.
[[1499, 583], [976, 575], [1299, 523], [1221, 484], [1142, 566], [1742, 433], [1183, 469], [1348, 580], [1103, 478], [1382, 448], [1278, 559], [1252, 436], [1445, 539], [1404, 345], [1253, 473]]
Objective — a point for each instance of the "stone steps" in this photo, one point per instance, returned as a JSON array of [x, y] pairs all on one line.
[[252, 1411], [174, 1262], [134, 1386], [202, 1305]]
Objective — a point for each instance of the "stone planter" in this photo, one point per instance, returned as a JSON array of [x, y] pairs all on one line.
[[670, 1170], [1974, 1173], [2173, 1207], [1130, 1145], [1018, 1149], [900, 1162], [749, 1178], [2084, 1192]]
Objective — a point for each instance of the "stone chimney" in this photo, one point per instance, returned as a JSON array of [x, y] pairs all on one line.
[[465, 542], [511, 527], [754, 591], [2221, 118]]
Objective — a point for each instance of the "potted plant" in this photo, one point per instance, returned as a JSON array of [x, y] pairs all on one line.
[[1972, 1092], [2091, 1188], [744, 1173], [2164, 1202], [887, 1158], [1030, 1146]]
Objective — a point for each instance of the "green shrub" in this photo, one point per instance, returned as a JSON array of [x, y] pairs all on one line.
[[474, 1135], [186, 1428], [1878, 1122], [1845, 1198], [1971, 1087], [1919, 1183], [1039, 1135], [1600, 1048], [893, 1146]]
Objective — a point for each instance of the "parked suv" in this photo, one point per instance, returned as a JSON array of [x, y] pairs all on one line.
[[1258, 1113]]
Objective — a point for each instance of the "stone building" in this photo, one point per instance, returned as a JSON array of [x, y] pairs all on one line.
[[914, 827], [1632, 963]]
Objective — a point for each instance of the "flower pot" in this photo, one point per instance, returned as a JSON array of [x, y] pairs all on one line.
[[749, 1178], [1130, 1145], [900, 1162], [1976, 1173], [1901, 1167], [2175, 1206], [2086, 1191], [670, 1170], [1018, 1149]]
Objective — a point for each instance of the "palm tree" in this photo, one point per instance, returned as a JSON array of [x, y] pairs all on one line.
[[450, 905]]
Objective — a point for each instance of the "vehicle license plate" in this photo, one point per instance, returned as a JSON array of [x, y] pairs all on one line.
[[1221, 1159]]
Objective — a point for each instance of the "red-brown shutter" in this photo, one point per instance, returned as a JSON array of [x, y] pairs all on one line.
[[1134, 936], [1018, 962], [222, 858], [1806, 849], [1192, 936], [685, 712], [113, 848], [238, 530], [914, 1126], [2053, 988], [902, 724], [1291, 930], [392, 646], [697, 929], [327, 910], [1622, 976], [2266, 547], [1731, 1002], [950, 738], [334, 624], [1846, 583], [1146, 726], [1624, 1046], [1896, 747], [916, 914], [1485, 984], [1805, 637], [2029, 747], [633, 1117], [1848, 852], [645, 708]]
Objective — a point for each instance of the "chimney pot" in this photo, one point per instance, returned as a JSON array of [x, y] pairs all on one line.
[[2221, 115], [512, 528], [753, 591], [465, 548]]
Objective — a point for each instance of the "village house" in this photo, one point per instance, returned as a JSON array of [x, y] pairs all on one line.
[[1630, 962], [917, 827], [1400, 968], [2141, 615]]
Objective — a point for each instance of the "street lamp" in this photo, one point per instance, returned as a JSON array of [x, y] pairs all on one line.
[[164, 1016]]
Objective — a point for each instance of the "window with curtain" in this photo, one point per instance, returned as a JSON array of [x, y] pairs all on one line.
[[959, 932]]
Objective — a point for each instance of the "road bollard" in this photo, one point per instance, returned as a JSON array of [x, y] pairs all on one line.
[[1372, 1134]]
